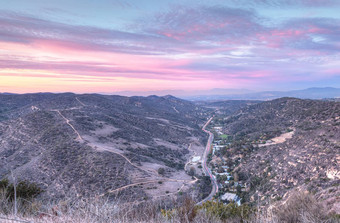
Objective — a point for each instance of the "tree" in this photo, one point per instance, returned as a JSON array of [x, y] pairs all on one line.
[[161, 171], [236, 179], [231, 212], [191, 171], [238, 190], [220, 170], [229, 162]]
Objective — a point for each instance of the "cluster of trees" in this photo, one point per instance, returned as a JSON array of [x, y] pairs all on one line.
[[17, 196], [230, 211], [22, 189]]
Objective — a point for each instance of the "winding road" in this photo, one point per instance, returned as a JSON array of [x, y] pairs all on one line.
[[205, 166]]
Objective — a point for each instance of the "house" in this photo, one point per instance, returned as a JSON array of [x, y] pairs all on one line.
[[222, 174], [229, 197], [220, 146]]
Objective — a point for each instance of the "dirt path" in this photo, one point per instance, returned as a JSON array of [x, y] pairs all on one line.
[[80, 102], [127, 159], [148, 182], [79, 138], [129, 185], [164, 195], [153, 172], [156, 197]]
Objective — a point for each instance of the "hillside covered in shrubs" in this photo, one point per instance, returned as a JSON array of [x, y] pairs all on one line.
[[279, 146]]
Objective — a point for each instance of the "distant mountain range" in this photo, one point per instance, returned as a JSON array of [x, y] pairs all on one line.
[[310, 93], [235, 94], [241, 94], [185, 93]]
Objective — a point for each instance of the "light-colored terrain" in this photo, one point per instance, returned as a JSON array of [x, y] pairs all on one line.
[[279, 139]]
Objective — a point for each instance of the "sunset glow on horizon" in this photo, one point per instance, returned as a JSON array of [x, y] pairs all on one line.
[[114, 45]]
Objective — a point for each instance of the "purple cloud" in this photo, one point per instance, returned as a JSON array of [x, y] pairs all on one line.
[[196, 43], [206, 23], [286, 3]]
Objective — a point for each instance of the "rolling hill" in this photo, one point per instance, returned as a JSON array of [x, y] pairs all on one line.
[[285, 145], [92, 145]]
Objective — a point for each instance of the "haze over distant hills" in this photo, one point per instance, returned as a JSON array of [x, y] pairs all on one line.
[[242, 94], [235, 94], [186, 93], [309, 93]]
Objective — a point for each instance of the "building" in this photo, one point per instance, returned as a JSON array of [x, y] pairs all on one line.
[[229, 197]]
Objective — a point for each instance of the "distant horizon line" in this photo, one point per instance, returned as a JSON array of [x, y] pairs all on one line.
[[154, 92]]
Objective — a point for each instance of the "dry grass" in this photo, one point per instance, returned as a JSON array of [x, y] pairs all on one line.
[[300, 208]]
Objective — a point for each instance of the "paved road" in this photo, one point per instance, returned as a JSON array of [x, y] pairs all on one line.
[[205, 166]]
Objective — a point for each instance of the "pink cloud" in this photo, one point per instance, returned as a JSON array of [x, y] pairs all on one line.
[[189, 47]]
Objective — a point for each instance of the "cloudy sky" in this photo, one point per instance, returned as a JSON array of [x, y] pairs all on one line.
[[108, 46]]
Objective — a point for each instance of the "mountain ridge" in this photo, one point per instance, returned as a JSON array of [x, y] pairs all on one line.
[[90, 144]]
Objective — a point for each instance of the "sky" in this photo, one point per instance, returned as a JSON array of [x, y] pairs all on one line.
[[110, 46]]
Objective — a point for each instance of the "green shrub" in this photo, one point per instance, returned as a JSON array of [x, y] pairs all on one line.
[[227, 212], [24, 189], [161, 171], [4, 184]]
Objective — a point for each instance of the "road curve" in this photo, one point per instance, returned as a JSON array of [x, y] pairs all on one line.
[[205, 166]]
